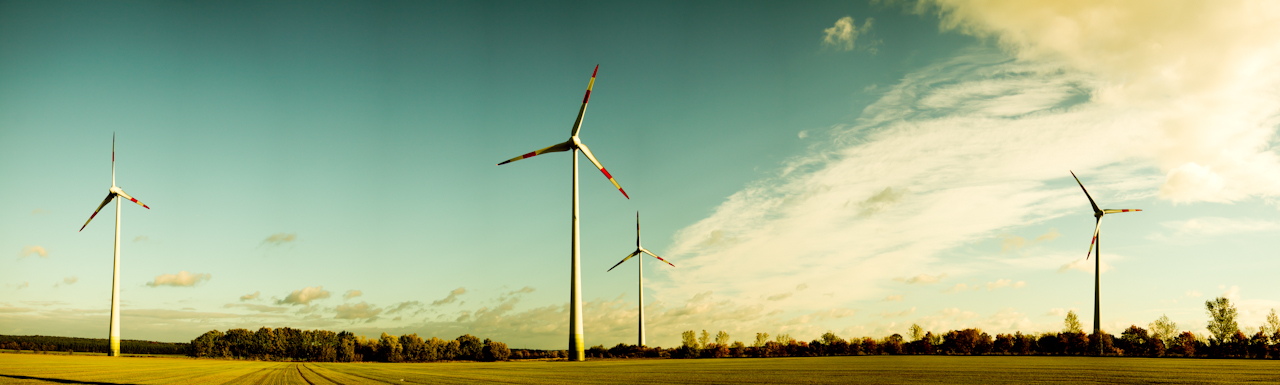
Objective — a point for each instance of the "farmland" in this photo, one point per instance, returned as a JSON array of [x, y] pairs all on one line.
[[35, 368]]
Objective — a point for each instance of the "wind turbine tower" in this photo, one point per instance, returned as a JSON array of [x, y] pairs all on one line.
[[1096, 245], [113, 193], [640, 267], [576, 350]]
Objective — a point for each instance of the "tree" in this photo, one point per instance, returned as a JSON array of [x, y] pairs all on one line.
[[390, 348], [203, 346], [1222, 319], [916, 332], [785, 339], [1072, 323], [722, 339], [1164, 329], [1272, 326], [1134, 341], [413, 348], [451, 350], [704, 339], [758, 346], [495, 351], [470, 347]]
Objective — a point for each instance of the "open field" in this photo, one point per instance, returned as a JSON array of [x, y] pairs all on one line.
[[32, 369]]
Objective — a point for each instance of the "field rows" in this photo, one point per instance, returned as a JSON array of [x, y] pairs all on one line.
[[34, 369]]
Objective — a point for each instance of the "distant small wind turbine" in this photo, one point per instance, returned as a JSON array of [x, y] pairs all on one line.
[[1094, 244], [640, 268], [576, 350], [115, 268]]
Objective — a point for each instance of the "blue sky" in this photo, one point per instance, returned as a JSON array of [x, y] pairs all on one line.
[[807, 166]]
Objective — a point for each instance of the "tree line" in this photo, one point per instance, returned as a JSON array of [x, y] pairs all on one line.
[[1162, 338], [288, 344], [89, 345]]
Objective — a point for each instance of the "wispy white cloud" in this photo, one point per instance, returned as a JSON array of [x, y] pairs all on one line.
[[279, 239], [451, 298], [182, 279], [1212, 226], [359, 311], [33, 250], [67, 281], [844, 33], [923, 279], [257, 308], [351, 294], [249, 297], [304, 296], [1085, 265], [895, 298]]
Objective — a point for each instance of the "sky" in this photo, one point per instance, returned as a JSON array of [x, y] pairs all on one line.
[[807, 166]]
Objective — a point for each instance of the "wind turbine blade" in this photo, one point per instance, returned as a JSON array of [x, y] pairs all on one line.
[[586, 151], [1113, 211], [637, 229], [577, 124], [633, 253], [1086, 193], [554, 148], [113, 159], [95, 212], [131, 199], [646, 251], [1096, 228]]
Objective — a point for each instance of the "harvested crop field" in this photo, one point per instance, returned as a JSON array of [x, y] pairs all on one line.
[[34, 369]]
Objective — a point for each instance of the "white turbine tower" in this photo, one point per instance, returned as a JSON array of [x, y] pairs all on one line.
[[115, 269], [640, 268], [1096, 245], [576, 351]]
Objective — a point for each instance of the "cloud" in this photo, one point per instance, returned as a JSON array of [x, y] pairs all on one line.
[[278, 239], [923, 279], [351, 294], [37, 250], [844, 33], [403, 306], [358, 311], [1005, 283], [1083, 265], [248, 297], [304, 296], [67, 281], [1197, 76], [39, 212], [141, 238], [801, 287], [1016, 243], [23, 285], [880, 201], [182, 279], [453, 296], [1232, 294], [895, 298], [959, 287], [779, 297], [907, 312], [803, 134], [1214, 226], [257, 308]]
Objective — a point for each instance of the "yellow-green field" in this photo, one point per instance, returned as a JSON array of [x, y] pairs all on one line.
[[33, 368]]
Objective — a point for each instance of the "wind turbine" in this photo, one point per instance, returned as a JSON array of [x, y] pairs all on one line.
[[640, 267], [1094, 244], [115, 268], [574, 144]]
